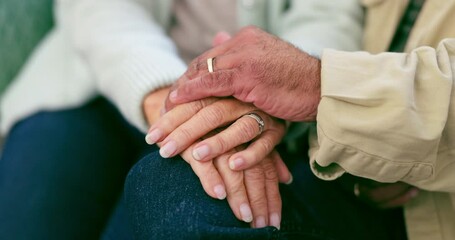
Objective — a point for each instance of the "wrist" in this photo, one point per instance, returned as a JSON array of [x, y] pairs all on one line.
[[315, 96], [153, 103]]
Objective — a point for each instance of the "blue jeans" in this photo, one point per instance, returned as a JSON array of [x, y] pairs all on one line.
[[165, 200], [62, 172]]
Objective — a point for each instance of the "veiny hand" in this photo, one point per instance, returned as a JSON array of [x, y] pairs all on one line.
[[258, 68], [385, 195]]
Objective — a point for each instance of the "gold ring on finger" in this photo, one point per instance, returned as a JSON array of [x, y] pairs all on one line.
[[210, 64]]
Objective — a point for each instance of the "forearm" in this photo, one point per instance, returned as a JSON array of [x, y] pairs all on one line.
[[394, 115]]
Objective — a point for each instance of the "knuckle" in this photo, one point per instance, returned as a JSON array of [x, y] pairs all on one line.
[[248, 128], [224, 78], [257, 199], [251, 31], [267, 144], [184, 134], [235, 187], [214, 115], [222, 144], [255, 174], [270, 171], [195, 106], [206, 81], [198, 63]]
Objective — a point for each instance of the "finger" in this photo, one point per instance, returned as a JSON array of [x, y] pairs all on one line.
[[198, 83], [243, 130], [207, 119], [235, 189], [208, 175], [384, 192], [272, 193], [400, 200], [219, 83], [220, 38], [256, 151], [174, 118], [255, 186], [199, 65], [284, 175]]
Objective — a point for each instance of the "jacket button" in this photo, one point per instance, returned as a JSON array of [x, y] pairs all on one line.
[[248, 4]]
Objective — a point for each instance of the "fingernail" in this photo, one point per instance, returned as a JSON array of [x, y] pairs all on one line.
[[245, 212], [236, 163], [220, 192], [153, 136], [173, 95], [275, 220], [291, 179], [201, 152], [260, 222], [168, 149]]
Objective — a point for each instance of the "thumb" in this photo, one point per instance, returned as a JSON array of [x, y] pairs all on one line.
[[220, 38]]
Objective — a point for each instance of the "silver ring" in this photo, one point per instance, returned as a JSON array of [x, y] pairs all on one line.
[[210, 64], [258, 119]]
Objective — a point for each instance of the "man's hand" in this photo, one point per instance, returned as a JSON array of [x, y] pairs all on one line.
[[258, 68], [186, 123], [385, 195]]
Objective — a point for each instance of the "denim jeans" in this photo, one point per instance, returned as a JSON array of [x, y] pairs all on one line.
[[61, 172], [164, 200]]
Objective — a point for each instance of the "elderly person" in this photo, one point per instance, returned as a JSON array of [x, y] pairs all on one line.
[[381, 114], [68, 149]]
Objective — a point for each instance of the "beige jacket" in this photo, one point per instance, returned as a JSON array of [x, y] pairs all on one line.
[[391, 116]]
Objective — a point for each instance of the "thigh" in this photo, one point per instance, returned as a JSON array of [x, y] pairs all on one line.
[[165, 200], [61, 172]]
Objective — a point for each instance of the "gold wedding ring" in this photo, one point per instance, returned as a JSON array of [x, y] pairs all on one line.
[[258, 119], [210, 64]]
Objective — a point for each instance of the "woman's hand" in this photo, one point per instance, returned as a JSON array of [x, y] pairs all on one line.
[[186, 123], [252, 194], [257, 185]]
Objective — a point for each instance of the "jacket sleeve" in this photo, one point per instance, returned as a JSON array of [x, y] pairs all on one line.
[[313, 25], [389, 117], [127, 50]]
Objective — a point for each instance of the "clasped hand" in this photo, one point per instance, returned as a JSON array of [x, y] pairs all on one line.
[[227, 154]]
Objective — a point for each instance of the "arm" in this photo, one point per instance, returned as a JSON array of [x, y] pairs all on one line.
[[128, 52], [388, 117], [395, 117]]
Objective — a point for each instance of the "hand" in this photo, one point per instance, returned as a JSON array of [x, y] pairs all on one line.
[[252, 194], [186, 123], [385, 195], [257, 185], [258, 68]]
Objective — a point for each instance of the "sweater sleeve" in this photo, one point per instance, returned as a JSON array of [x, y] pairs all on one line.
[[128, 52], [389, 117], [313, 25]]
